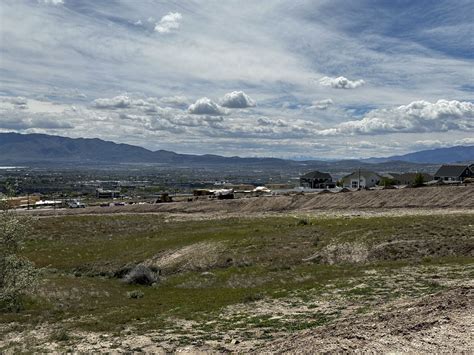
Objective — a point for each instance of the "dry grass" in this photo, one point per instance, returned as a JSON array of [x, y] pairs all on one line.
[[247, 279]]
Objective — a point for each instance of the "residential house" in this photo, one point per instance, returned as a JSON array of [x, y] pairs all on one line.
[[317, 180], [453, 173], [101, 193], [361, 179], [409, 178]]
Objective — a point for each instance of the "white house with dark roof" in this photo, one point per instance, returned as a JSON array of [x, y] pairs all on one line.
[[361, 179], [453, 173]]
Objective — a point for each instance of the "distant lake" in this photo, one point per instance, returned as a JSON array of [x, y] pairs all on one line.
[[11, 167]]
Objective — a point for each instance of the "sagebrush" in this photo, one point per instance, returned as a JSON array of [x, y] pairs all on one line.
[[18, 276]]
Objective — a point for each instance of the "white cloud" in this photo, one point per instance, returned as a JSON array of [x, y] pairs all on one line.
[[237, 99], [21, 120], [51, 2], [175, 101], [340, 82], [169, 22], [17, 102], [205, 106], [121, 101], [465, 141], [416, 117], [321, 104], [263, 121]]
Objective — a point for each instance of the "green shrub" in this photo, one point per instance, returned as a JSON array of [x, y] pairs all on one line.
[[303, 222], [135, 294], [141, 275], [18, 275], [419, 180]]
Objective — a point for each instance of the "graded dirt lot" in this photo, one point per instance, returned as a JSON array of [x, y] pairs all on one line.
[[453, 197], [287, 277]]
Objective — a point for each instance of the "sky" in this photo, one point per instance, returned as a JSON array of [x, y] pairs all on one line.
[[319, 79]]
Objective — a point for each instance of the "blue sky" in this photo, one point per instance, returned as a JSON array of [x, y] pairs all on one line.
[[320, 79]]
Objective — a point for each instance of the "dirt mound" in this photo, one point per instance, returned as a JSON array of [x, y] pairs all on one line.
[[195, 257], [427, 197], [437, 323], [419, 248]]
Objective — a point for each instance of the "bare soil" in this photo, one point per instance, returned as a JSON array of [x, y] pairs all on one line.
[[445, 197], [440, 323]]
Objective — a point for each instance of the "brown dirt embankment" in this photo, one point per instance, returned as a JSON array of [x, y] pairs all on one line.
[[452, 197], [435, 324]]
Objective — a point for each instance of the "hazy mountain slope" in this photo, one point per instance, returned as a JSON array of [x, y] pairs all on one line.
[[40, 147], [435, 156], [22, 148], [45, 149]]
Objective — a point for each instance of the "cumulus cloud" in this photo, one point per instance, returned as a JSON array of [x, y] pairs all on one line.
[[169, 22], [19, 102], [237, 99], [321, 104], [121, 101], [263, 121], [51, 2], [148, 104], [340, 82], [416, 117], [205, 106]]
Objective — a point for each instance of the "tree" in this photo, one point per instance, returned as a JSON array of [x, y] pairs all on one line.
[[385, 181], [18, 276], [419, 180]]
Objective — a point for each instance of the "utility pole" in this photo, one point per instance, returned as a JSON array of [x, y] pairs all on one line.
[[358, 180]]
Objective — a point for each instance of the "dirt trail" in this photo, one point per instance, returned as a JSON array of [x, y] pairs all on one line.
[[452, 197]]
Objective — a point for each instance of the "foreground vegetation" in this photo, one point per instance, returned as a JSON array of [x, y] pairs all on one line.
[[250, 277]]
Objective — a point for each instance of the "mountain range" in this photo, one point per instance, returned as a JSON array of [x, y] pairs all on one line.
[[36, 149], [434, 156]]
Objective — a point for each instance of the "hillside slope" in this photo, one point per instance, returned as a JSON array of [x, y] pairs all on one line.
[[42, 149], [435, 156]]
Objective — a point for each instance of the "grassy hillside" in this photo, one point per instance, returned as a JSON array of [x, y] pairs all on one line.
[[252, 277]]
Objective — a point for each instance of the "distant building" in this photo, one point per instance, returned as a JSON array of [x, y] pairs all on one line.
[[409, 178], [453, 173], [101, 193], [361, 179], [317, 180]]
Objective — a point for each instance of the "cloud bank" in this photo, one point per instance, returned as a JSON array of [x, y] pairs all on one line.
[[51, 2], [416, 117]]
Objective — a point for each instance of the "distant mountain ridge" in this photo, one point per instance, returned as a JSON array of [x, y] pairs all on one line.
[[455, 154], [27, 148], [18, 148]]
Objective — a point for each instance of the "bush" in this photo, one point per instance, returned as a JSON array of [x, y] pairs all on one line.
[[141, 275], [303, 222], [135, 294], [18, 275]]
